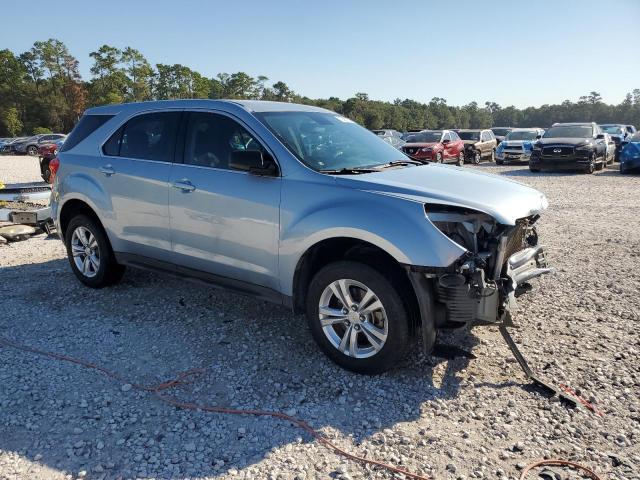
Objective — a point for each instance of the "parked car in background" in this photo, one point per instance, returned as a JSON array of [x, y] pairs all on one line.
[[631, 129], [518, 145], [411, 131], [630, 154], [500, 133], [317, 214], [30, 145], [618, 133], [7, 148], [48, 152], [612, 148], [3, 142], [570, 146], [392, 137], [435, 146], [478, 144]]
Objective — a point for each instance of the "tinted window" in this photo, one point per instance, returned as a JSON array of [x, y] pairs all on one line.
[[112, 147], [151, 136], [472, 135], [211, 138], [85, 127], [569, 131]]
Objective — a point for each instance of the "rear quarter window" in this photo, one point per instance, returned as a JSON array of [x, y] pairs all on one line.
[[85, 127]]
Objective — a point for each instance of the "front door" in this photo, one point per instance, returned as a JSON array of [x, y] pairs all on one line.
[[223, 221]]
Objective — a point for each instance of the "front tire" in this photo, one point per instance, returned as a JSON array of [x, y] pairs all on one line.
[[357, 317], [493, 155], [90, 254], [592, 164], [438, 157], [32, 150], [460, 160], [477, 156]]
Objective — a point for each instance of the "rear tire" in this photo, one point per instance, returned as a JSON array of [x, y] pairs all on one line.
[[477, 156], [32, 150], [346, 327], [90, 255], [438, 157], [493, 155]]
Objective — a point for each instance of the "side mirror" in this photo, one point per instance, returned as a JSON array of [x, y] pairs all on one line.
[[252, 161], [600, 136], [444, 142], [538, 137]]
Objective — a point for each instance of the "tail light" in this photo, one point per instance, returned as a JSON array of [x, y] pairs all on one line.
[[54, 164]]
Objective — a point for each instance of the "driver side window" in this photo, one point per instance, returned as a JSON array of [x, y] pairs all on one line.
[[211, 138]]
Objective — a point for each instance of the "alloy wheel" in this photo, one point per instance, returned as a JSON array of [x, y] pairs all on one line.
[[32, 150], [353, 318], [85, 251]]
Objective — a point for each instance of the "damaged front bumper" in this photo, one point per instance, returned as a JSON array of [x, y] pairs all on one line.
[[482, 286]]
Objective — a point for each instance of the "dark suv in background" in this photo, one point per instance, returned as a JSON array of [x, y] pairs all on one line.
[[570, 146]]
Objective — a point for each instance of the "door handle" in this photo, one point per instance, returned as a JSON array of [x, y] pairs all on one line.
[[185, 185], [107, 170]]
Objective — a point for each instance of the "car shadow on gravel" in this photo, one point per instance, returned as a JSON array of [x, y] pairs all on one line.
[[151, 327]]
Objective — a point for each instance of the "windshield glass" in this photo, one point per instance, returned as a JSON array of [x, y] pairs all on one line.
[[569, 131], [500, 131], [613, 130], [328, 141], [469, 135], [424, 137], [522, 135]]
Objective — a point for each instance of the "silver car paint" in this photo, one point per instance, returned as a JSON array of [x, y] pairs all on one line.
[[261, 235]]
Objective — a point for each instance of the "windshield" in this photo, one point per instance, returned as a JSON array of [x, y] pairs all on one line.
[[328, 141], [522, 135], [613, 130], [501, 132], [569, 131], [469, 135], [424, 137]]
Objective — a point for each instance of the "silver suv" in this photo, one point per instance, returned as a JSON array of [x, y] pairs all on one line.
[[300, 206]]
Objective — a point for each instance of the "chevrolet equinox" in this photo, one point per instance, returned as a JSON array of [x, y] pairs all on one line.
[[302, 207]]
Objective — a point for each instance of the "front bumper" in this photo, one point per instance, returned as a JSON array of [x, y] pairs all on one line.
[[569, 162], [514, 155]]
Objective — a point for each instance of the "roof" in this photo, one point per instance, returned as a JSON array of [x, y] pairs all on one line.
[[248, 105]]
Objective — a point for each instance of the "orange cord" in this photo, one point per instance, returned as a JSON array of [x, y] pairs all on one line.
[[186, 377], [183, 378]]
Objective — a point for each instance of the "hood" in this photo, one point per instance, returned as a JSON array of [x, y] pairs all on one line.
[[517, 143], [503, 199], [543, 142]]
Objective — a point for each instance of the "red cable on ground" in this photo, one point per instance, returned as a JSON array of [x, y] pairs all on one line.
[[584, 402], [185, 378]]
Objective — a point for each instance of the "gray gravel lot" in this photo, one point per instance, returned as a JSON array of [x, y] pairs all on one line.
[[456, 418]]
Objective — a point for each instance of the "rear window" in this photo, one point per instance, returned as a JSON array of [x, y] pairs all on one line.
[[150, 136], [85, 127]]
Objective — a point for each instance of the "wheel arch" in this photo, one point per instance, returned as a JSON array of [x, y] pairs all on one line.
[[72, 208], [335, 249]]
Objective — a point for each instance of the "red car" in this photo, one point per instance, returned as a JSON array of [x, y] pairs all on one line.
[[47, 152], [435, 146]]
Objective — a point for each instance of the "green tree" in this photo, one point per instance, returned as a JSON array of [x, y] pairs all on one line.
[[11, 121]]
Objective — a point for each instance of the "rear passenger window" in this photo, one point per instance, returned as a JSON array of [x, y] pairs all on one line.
[[85, 127], [151, 136], [211, 138]]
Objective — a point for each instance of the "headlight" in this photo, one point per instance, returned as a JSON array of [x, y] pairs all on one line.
[[584, 148]]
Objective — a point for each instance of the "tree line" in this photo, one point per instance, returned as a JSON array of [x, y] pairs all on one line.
[[41, 90]]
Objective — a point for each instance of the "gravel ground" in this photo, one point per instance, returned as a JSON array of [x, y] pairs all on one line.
[[455, 418]]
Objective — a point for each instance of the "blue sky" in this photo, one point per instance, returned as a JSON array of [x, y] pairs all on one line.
[[512, 52]]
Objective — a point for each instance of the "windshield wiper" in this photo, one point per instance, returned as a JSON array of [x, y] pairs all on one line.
[[397, 163], [350, 170]]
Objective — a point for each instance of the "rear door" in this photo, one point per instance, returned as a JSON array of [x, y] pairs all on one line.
[[223, 221], [134, 172]]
